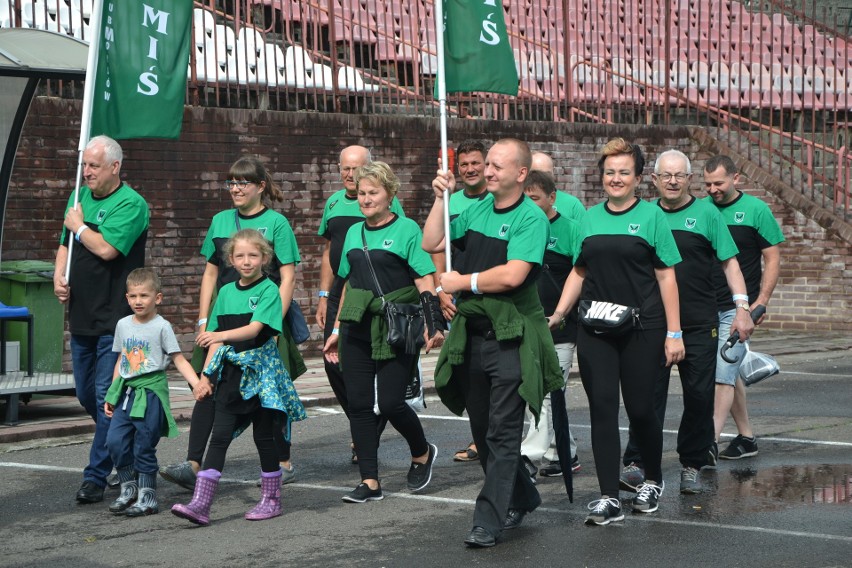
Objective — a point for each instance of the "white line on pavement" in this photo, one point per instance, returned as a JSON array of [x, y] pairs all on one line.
[[471, 503]]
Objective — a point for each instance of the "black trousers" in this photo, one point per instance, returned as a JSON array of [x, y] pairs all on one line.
[[632, 362], [697, 371], [490, 382], [378, 385], [265, 423], [332, 370]]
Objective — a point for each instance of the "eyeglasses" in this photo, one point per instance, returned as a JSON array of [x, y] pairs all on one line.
[[666, 178], [241, 184]]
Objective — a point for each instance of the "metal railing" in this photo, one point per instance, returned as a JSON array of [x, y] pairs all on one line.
[[776, 80]]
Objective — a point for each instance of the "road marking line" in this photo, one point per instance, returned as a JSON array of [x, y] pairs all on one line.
[[471, 503]]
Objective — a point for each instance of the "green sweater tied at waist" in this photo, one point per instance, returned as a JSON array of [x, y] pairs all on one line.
[[515, 315], [156, 382], [359, 302]]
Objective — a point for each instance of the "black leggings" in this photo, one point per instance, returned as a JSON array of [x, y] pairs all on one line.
[[265, 423], [632, 361], [201, 425], [360, 371]]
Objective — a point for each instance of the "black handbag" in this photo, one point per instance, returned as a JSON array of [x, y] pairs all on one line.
[[608, 318], [406, 324]]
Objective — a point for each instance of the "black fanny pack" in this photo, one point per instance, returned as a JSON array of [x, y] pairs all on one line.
[[608, 318]]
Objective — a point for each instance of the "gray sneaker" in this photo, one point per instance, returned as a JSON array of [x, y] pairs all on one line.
[[181, 474], [648, 497], [689, 483], [632, 476], [287, 476]]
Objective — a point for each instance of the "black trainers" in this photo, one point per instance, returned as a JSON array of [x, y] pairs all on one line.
[[420, 474], [632, 476], [740, 447], [181, 474], [604, 511], [648, 497], [552, 469], [363, 493], [689, 482], [712, 456]]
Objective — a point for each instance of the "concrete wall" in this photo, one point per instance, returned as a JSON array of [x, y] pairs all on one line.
[[182, 181]]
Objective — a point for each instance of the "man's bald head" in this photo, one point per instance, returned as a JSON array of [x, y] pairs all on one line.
[[542, 162], [352, 158]]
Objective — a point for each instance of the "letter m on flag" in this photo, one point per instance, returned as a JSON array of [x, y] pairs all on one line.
[[143, 53]]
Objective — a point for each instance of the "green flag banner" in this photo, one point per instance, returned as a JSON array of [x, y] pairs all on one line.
[[141, 76], [477, 54]]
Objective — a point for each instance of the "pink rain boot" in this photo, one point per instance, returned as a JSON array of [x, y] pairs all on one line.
[[269, 505], [198, 510]]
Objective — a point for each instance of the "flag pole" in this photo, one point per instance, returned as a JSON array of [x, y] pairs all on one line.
[[86, 118], [442, 105]]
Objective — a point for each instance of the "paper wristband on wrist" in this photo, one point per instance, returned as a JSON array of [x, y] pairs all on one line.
[[439, 289], [202, 321], [738, 297], [322, 294], [335, 331], [473, 283], [80, 231], [674, 334]]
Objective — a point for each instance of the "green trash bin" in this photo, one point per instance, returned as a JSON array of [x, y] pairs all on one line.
[[30, 283]]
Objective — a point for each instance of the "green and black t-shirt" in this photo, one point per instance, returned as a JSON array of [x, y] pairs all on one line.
[[569, 206], [396, 253], [459, 201], [558, 262], [492, 237], [620, 251], [340, 213], [237, 306], [98, 286], [753, 228], [272, 225], [703, 240]]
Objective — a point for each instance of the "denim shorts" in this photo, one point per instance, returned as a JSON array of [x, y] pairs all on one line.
[[726, 373]]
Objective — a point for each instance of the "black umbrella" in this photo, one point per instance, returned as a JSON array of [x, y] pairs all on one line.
[[563, 440]]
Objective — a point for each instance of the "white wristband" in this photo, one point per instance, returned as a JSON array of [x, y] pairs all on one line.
[[737, 297], [473, 283], [439, 289], [201, 322], [80, 232], [335, 331]]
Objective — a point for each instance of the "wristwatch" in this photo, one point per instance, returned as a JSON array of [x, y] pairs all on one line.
[[744, 307]]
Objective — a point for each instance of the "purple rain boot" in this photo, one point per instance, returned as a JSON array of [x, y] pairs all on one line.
[[198, 510], [269, 505]]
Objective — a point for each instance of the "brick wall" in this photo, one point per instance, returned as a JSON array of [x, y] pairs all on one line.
[[182, 182]]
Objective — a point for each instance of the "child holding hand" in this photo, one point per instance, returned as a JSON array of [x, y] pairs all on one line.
[[137, 402]]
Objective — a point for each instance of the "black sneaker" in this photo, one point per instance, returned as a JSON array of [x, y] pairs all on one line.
[[648, 497], [363, 493], [180, 473], [712, 456], [575, 464], [420, 474], [552, 469], [740, 447], [604, 511]]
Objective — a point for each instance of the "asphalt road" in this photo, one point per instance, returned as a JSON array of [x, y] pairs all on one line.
[[789, 506]]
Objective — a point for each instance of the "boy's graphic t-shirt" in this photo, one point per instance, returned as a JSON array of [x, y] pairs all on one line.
[[144, 347]]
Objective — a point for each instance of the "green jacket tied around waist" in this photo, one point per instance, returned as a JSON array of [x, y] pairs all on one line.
[[359, 302], [156, 382], [515, 315]]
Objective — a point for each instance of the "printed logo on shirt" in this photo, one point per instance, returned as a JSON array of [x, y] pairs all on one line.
[[633, 228], [262, 231], [101, 215], [387, 243], [551, 242], [253, 300], [504, 230], [332, 204], [739, 216], [690, 223]]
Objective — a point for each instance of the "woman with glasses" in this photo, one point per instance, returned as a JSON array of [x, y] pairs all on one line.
[[252, 191]]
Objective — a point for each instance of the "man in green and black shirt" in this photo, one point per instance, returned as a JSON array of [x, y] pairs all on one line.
[[499, 355], [110, 227], [757, 236], [703, 241]]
